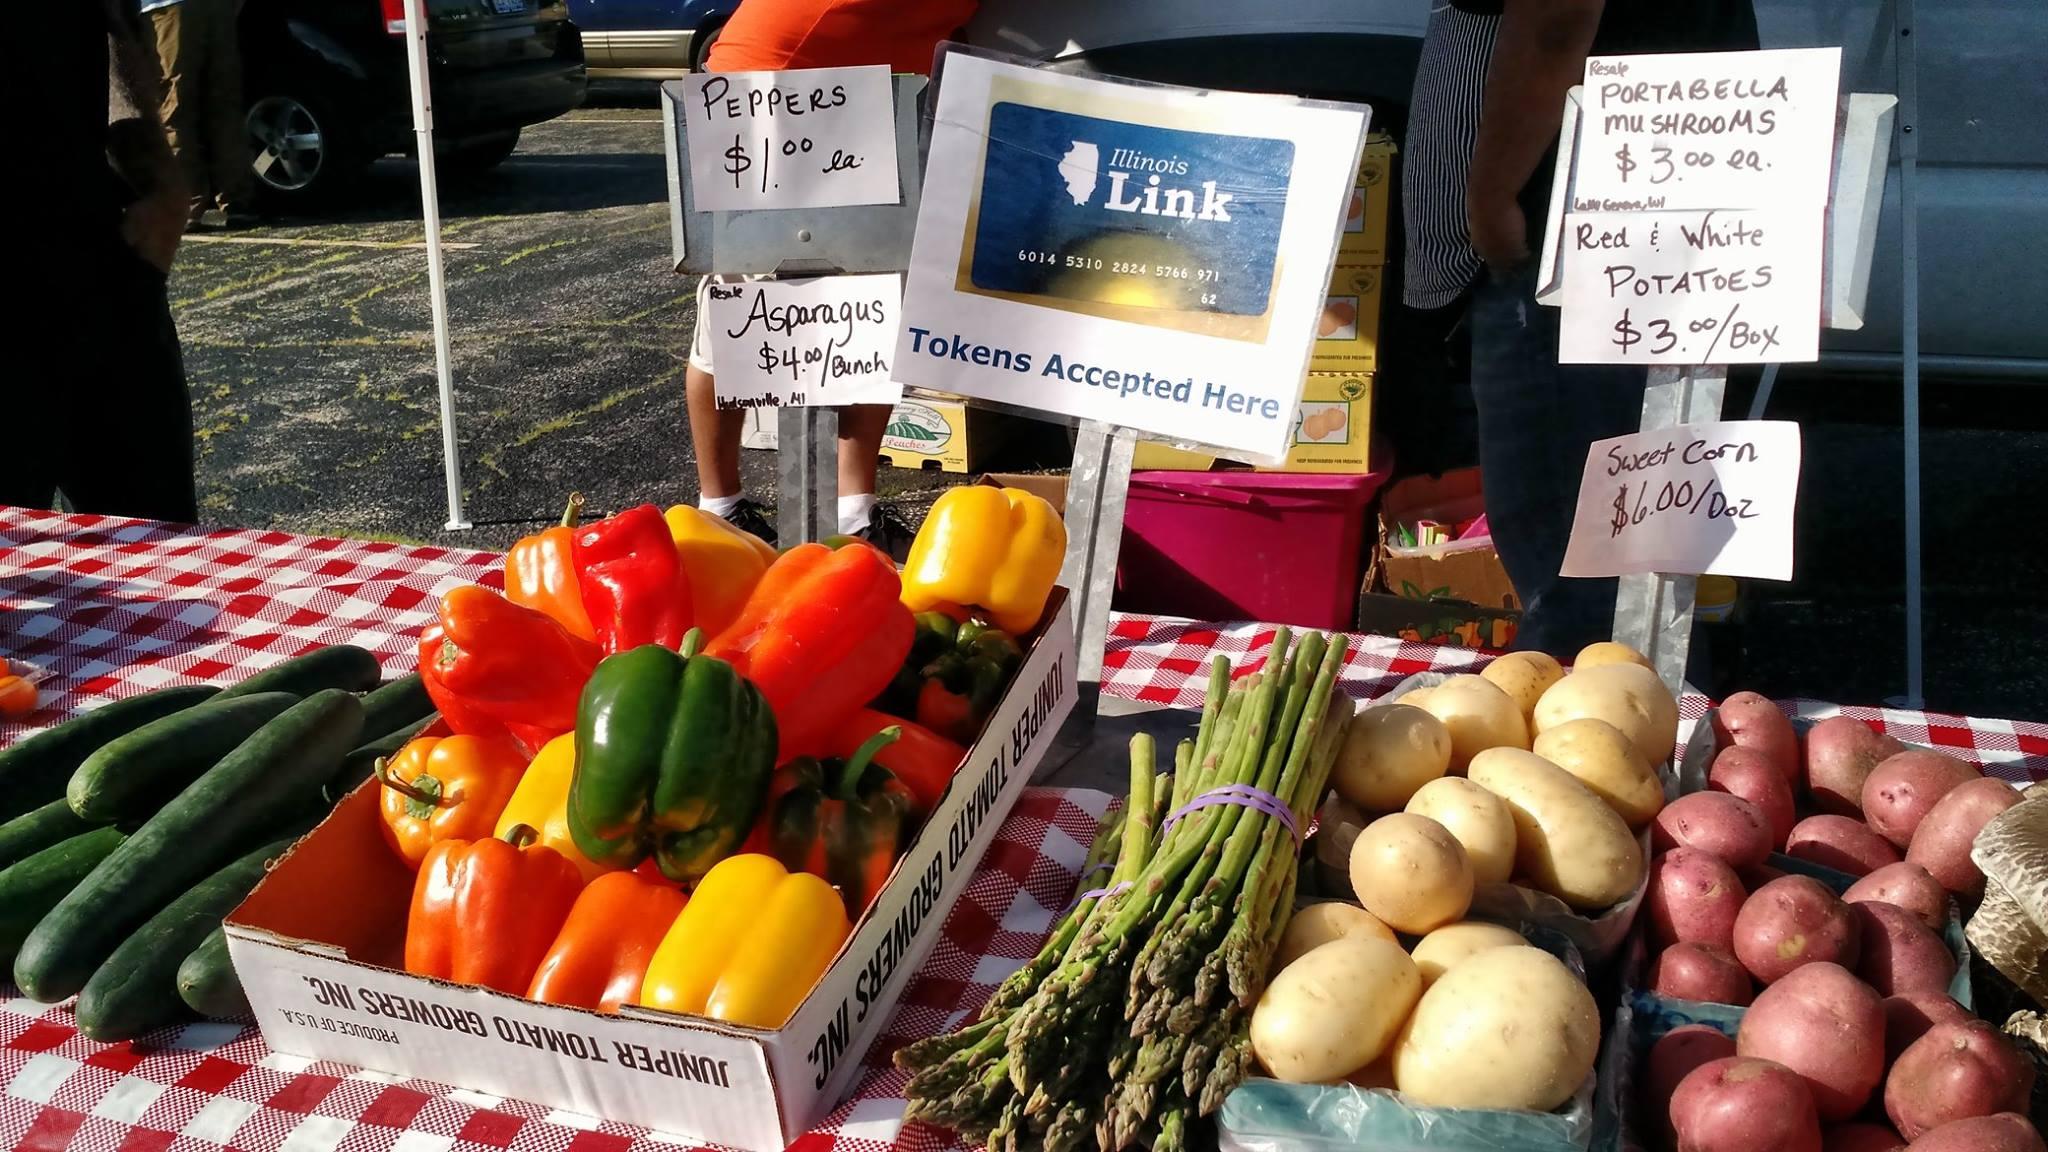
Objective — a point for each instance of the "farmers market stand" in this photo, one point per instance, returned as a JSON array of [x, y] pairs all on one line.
[[110, 607]]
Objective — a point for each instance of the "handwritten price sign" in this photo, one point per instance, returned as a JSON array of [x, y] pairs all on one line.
[[806, 138], [1721, 287], [1697, 498], [805, 343], [1707, 130]]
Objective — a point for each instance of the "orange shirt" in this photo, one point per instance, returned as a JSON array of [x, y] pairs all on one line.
[[766, 35]]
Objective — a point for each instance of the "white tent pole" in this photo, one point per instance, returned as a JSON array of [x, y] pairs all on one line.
[[437, 282]]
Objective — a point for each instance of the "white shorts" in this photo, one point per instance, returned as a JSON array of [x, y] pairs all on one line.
[[700, 336]]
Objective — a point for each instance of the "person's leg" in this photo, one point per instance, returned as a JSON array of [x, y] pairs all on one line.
[[714, 434], [227, 134], [860, 450], [138, 420], [177, 70], [1536, 419]]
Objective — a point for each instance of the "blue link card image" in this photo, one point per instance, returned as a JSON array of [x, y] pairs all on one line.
[[1166, 227]]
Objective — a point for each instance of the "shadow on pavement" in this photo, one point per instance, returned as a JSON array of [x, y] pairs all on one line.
[[526, 184]]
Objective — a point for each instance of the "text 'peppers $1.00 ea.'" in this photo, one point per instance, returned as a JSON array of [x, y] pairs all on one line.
[[674, 751], [994, 551]]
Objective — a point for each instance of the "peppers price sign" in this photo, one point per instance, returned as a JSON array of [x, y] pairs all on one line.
[[1149, 256]]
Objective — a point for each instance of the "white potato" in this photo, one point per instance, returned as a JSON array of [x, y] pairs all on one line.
[[1603, 759], [1451, 944], [1411, 873], [1315, 925], [1478, 818], [1390, 751], [1568, 841], [1524, 676], [1510, 1028], [1478, 715], [1413, 697], [1608, 652], [1334, 1010], [1628, 696]]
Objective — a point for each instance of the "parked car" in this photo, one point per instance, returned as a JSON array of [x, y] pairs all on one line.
[[649, 39], [328, 90], [1983, 167]]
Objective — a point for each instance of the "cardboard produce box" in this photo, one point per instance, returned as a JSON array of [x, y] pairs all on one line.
[[1365, 220], [923, 432], [1332, 425], [319, 948], [1348, 332], [1459, 570], [1448, 623]]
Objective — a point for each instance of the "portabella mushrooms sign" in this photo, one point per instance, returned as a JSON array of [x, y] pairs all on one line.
[[1148, 256]]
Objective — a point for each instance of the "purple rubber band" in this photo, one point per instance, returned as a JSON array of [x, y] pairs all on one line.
[[1099, 893], [1243, 795]]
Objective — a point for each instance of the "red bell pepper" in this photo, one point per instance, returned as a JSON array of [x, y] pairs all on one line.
[[485, 911], [493, 667], [633, 585], [601, 955], [823, 633], [922, 759]]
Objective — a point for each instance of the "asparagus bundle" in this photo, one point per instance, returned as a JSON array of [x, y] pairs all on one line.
[[1133, 1021]]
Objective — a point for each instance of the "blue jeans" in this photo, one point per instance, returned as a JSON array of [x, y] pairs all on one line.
[[1536, 419]]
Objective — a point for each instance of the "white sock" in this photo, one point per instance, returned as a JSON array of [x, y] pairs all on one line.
[[855, 511], [720, 506]]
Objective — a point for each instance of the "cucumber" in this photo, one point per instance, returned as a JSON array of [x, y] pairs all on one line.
[[31, 832], [343, 666], [207, 982], [31, 887], [273, 778], [137, 988], [394, 706], [134, 775], [33, 771], [361, 764]]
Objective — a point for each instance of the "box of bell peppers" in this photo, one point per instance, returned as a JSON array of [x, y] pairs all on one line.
[[321, 950]]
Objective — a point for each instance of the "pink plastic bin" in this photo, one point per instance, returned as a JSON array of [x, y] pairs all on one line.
[[1285, 548]]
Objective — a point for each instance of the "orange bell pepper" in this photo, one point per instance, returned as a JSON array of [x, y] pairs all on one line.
[[540, 573], [491, 665], [445, 788], [486, 911], [823, 633], [602, 952], [17, 696]]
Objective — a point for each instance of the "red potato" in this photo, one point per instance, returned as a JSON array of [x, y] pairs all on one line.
[[1897, 954], [2005, 1132], [1676, 1053], [1727, 826], [1905, 788], [1952, 1073], [1907, 1018], [1840, 753], [1791, 922], [1743, 1105], [1826, 1025], [1861, 1138], [1840, 843], [1748, 773], [1941, 844], [1694, 897], [1700, 972], [1751, 721], [1907, 885]]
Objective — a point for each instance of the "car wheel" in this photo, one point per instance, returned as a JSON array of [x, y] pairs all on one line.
[[700, 47], [476, 154], [299, 150]]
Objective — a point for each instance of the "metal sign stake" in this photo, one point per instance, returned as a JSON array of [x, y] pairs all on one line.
[[1097, 488]]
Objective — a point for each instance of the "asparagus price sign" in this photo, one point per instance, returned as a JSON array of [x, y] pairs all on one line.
[[819, 342], [1695, 498], [806, 138], [1707, 130], [1714, 287]]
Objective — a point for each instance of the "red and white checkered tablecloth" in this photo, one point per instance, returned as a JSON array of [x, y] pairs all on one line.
[[105, 607]]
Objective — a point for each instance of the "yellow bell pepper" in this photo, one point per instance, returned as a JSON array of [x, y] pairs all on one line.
[[721, 563], [541, 802], [749, 945], [993, 550]]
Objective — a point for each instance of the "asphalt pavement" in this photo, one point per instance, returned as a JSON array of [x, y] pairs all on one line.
[[308, 344]]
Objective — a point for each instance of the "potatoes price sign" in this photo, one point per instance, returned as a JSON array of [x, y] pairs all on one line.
[[805, 138], [1692, 499]]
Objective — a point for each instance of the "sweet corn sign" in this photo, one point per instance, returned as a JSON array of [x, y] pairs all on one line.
[[1148, 256], [317, 947]]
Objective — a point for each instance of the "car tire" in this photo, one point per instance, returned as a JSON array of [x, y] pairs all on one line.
[[303, 150], [477, 154], [700, 45]]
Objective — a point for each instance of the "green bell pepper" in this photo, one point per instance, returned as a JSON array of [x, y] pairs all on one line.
[[674, 752]]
